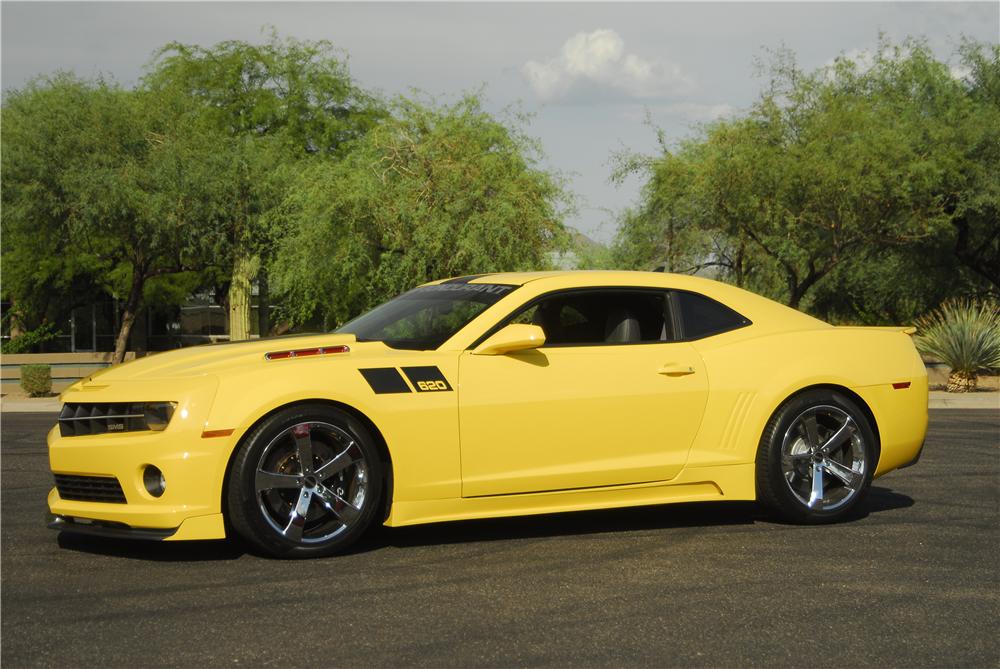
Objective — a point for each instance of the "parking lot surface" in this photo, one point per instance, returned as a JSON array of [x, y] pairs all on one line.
[[911, 581]]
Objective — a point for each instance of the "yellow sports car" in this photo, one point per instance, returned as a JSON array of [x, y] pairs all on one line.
[[492, 395]]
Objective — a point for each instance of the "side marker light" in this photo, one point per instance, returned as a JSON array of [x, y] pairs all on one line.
[[208, 434]]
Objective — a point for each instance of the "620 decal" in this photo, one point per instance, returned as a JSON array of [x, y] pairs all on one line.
[[427, 379], [431, 385]]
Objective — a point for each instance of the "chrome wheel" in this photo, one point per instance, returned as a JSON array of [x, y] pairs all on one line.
[[311, 482], [823, 458]]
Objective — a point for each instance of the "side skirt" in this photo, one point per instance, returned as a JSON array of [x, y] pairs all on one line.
[[717, 483]]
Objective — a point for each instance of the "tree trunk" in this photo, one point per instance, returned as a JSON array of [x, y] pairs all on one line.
[[962, 382], [738, 268], [976, 259], [16, 324], [128, 316], [263, 306], [798, 289], [244, 270], [794, 290]]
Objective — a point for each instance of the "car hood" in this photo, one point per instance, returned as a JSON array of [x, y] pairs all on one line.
[[213, 358]]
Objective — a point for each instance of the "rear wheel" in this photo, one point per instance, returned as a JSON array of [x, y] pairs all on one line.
[[816, 458], [305, 483]]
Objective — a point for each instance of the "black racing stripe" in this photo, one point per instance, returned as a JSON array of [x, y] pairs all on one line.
[[464, 279], [385, 380], [427, 379]]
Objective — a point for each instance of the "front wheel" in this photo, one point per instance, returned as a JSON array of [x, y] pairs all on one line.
[[305, 483], [817, 457]]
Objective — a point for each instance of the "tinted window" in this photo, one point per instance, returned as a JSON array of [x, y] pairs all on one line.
[[426, 317], [600, 317], [702, 316]]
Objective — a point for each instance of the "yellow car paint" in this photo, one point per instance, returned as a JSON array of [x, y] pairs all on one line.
[[532, 431], [562, 418]]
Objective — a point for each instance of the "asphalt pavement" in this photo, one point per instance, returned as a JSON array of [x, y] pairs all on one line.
[[911, 581]]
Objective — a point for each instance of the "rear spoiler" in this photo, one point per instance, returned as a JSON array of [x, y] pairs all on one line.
[[905, 329]]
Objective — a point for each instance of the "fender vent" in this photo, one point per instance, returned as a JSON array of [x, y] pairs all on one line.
[[738, 416]]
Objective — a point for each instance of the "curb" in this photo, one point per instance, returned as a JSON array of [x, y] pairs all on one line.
[[942, 400], [26, 405]]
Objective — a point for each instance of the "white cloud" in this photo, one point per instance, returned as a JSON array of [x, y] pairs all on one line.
[[598, 59]]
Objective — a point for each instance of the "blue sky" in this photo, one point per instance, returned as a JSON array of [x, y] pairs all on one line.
[[590, 73]]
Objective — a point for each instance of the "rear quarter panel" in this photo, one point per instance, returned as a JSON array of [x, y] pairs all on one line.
[[751, 376]]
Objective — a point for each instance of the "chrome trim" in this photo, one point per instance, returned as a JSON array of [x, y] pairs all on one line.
[[130, 415]]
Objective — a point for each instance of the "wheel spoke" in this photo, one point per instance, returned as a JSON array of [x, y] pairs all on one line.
[[297, 519], [790, 460], [337, 505], [272, 480], [303, 446], [816, 496], [812, 432], [850, 477], [339, 463], [311, 482], [839, 437]]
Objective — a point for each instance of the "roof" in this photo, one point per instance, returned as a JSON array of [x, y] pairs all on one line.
[[590, 277], [755, 307]]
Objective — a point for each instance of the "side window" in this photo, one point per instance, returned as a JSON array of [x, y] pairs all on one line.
[[702, 316], [601, 317]]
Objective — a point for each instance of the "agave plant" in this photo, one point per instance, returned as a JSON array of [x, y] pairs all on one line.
[[965, 335]]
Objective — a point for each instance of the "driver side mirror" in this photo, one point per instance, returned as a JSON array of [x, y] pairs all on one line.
[[516, 337]]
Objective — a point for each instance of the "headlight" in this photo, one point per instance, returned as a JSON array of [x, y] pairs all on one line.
[[158, 414]]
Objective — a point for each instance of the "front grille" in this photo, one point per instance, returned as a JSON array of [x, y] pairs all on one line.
[[101, 417], [90, 488]]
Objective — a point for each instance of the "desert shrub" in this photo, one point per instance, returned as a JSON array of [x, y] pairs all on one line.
[[965, 335], [36, 380]]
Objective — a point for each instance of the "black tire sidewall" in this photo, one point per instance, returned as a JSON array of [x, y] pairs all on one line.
[[772, 486], [242, 505]]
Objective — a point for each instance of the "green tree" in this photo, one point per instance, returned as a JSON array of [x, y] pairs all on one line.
[[280, 102], [115, 186], [972, 194], [829, 172], [666, 229], [432, 191], [44, 274]]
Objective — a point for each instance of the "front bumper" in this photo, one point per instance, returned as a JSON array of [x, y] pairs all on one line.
[[109, 530], [194, 467]]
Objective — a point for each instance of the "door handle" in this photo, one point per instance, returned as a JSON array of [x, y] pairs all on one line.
[[673, 369]]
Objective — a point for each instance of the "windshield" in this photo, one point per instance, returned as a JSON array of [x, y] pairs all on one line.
[[426, 317]]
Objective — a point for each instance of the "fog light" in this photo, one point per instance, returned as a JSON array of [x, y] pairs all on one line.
[[153, 479], [157, 415]]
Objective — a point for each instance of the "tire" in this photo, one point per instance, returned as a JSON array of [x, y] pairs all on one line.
[[285, 510], [820, 435]]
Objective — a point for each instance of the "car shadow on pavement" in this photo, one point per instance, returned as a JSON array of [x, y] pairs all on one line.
[[633, 519]]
